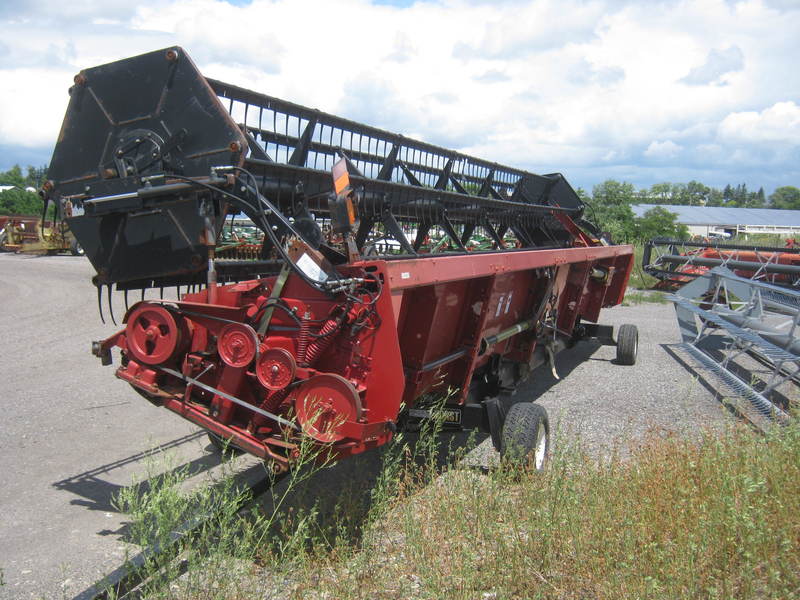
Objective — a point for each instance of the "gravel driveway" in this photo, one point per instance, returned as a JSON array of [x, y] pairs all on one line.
[[609, 404]]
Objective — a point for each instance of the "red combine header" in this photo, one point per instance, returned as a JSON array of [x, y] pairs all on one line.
[[676, 262], [396, 280]]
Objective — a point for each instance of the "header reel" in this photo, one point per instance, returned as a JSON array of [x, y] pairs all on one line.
[[157, 156]]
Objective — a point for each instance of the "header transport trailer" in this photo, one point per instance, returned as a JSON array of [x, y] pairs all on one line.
[[396, 281]]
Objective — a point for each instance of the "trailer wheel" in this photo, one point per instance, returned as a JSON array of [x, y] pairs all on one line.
[[627, 344], [3, 237], [222, 446], [76, 248], [526, 435]]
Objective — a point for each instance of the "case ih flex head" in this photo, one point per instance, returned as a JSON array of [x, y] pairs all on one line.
[[392, 273]]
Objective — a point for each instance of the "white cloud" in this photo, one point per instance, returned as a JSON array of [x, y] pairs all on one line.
[[27, 118], [583, 86], [492, 76], [515, 30], [777, 123], [718, 64], [665, 149]]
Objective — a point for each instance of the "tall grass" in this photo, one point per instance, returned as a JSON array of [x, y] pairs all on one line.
[[713, 518], [717, 516], [639, 279], [233, 536], [651, 297], [760, 239]]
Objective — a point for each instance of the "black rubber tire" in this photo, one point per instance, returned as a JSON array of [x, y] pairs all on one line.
[[221, 445], [76, 248], [627, 344], [521, 441], [3, 237]]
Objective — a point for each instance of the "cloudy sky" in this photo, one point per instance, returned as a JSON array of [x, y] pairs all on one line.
[[638, 91]]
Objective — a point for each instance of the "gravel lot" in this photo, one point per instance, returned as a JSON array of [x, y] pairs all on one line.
[[609, 404], [73, 434]]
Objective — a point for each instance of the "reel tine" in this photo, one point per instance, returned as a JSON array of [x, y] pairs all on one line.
[[178, 291], [100, 302], [111, 306], [142, 293], [161, 292], [125, 295]]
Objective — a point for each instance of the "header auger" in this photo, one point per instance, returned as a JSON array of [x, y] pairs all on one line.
[[391, 272]]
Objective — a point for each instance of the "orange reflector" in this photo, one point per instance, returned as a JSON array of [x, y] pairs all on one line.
[[351, 211], [341, 178]]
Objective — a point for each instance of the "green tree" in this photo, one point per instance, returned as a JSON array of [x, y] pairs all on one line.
[[612, 192], [36, 176], [740, 195], [760, 200], [13, 177], [679, 194], [727, 194], [746, 199], [659, 222], [18, 201], [660, 193], [582, 195], [786, 197], [715, 197], [615, 219], [611, 209], [693, 193], [697, 194]]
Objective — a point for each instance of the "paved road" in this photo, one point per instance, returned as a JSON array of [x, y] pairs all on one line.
[[72, 434]]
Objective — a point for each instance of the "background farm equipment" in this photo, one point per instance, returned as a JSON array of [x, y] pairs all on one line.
[[392, 280], [31, 235], [723, 317], [677, 262], [240, 240]]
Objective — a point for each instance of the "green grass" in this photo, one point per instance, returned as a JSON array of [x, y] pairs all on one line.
[[633, 297], [639, 279], [760, 239], [714, 516]]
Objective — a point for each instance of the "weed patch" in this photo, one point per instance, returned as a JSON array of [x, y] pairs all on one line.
[[714, 516]]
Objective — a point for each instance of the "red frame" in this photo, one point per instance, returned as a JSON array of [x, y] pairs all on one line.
[[435, 314]]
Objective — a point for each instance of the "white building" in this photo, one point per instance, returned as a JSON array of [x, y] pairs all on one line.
[[721, 220]]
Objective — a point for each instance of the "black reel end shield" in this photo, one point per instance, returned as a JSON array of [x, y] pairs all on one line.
[[115, 146]]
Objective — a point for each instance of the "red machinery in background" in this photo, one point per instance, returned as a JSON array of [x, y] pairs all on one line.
[[677, 262], [366, 309]]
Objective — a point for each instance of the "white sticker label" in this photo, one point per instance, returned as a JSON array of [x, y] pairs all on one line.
[[508, 302], [405, 275], [499, 306], [310, 268]]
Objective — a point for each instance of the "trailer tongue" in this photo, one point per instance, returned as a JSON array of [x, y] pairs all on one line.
[[396, 280]]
